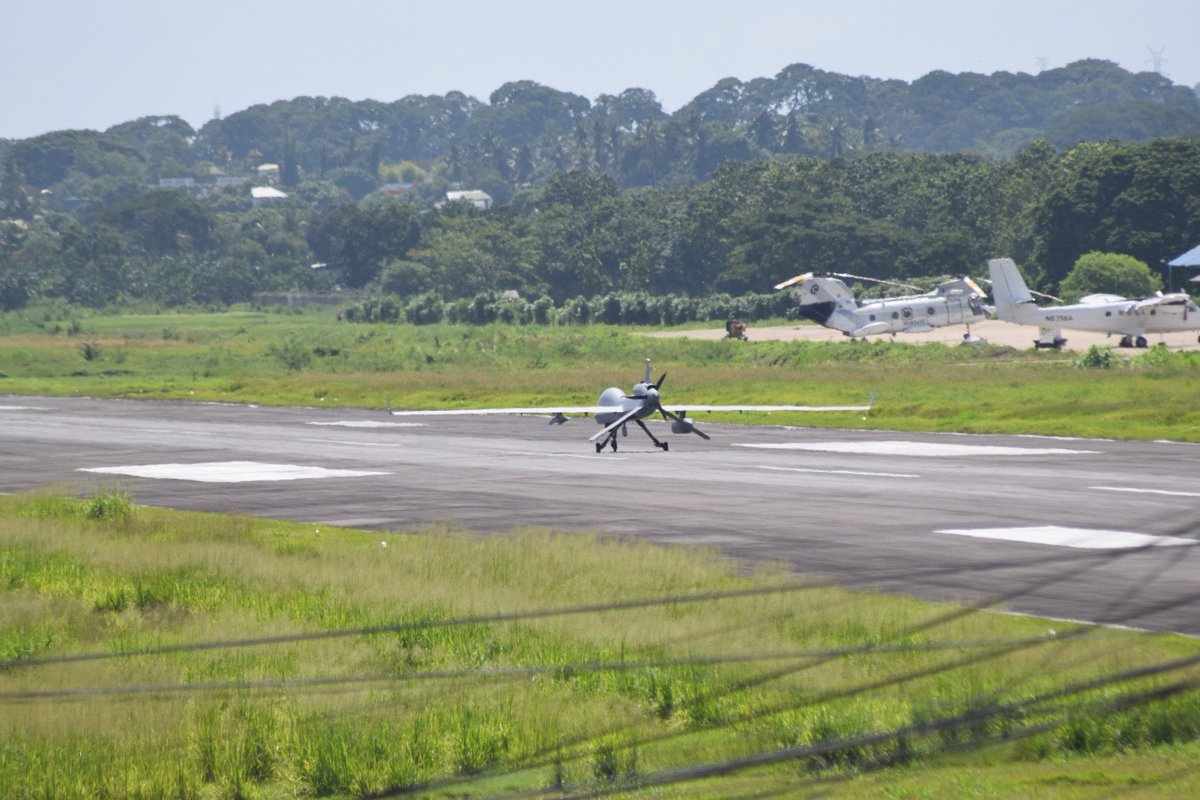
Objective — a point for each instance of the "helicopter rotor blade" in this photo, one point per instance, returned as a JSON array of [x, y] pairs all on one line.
[[1031, 291], [876, 280]]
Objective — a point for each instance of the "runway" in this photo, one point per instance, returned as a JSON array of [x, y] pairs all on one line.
[[1091, 530]]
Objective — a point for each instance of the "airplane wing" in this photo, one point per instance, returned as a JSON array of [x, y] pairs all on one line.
[[1160, 300], [1103, 299]]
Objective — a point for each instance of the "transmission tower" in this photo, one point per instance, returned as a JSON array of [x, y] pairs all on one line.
[[1157, 58]]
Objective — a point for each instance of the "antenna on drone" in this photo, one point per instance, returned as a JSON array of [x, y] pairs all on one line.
[[1157, 58]]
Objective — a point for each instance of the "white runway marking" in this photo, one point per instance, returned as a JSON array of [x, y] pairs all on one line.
[[1145, 491], [1082, 538], [842, 472], [392, 444], [24, 408], [370, 423], [230, 472], [588, 456], [919, 449]]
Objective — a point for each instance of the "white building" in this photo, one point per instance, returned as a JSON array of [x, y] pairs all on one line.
[[478, 198], [263, 194]]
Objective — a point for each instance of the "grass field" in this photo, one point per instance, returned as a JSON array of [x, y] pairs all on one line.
[[313, 359], [150, 653]]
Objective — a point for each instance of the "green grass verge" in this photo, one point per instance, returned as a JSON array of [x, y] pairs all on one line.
[[347, 663], [313, 359]]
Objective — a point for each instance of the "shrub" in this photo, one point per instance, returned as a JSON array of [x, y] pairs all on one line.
[[113, 505], [1096, 357]]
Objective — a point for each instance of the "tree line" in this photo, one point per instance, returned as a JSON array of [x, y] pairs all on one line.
[[83, 219], [882, 215], [526, 132], [887, 215]]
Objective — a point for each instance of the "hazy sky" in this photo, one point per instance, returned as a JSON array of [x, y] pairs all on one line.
[[95, 63]]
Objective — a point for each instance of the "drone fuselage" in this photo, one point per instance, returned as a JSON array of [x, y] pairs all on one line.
[[644, 398]]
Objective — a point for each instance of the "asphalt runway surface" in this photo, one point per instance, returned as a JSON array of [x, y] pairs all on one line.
[[1094, 530]]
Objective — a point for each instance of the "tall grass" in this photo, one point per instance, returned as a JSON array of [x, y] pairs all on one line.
[[437, 696], [312, 359]]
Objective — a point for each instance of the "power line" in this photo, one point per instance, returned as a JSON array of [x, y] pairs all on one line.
[[398, 627], [848, 692], [515, 672], [944, 724]]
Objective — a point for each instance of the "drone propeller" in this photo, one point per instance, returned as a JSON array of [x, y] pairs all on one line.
[[661, 378]]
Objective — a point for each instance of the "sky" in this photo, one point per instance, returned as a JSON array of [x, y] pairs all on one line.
[[97, 63]]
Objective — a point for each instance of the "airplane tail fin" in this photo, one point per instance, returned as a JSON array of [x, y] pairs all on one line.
[[1008, 287]]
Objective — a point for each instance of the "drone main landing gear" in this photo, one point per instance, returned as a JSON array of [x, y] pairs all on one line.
[[612, 439], [657, 443]]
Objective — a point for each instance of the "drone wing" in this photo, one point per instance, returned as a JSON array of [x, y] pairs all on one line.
[[529, 410], [683, 407], [690, 407], [612, 426]]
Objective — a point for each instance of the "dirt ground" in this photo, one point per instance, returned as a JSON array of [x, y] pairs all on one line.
[[994, 331]]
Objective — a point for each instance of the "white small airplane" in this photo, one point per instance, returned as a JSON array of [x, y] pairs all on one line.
[[827, 301], [615, 409], [1103, 313]]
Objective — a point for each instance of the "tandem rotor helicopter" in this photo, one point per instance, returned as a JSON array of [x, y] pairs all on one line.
[[615, 410], [827, 301]]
